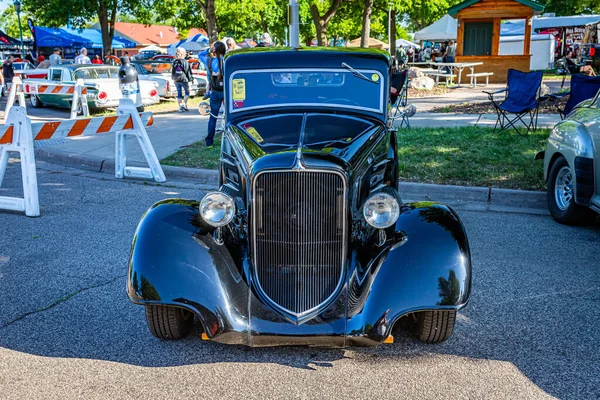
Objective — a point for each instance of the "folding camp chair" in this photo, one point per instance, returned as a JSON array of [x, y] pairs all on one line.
[[521, 99], [399, 107], [582, 88]]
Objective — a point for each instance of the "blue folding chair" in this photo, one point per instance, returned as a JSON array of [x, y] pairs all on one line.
[[582, 88], [521, 99]]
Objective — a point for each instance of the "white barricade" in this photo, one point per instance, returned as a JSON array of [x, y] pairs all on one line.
[[15, 91], [19, 133], [78, 91]]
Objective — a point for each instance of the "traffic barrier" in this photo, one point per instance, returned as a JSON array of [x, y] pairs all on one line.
[[15, 91], [19, 133], [78, 91]]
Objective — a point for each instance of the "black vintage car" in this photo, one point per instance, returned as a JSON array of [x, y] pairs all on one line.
[[306, 241]]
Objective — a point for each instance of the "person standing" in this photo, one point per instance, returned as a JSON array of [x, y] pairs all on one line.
[[8, 72], [55, 58], [265, 41], [97, 60], [181, 72], [40, 58], [449, 54], [83, 58], [231, 45], [213, 61]]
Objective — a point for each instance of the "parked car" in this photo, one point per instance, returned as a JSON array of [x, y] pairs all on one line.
[[307, 240], [26, 69], [160, 72], [572, 165], [101, 81], [163, 57], [146, 54]]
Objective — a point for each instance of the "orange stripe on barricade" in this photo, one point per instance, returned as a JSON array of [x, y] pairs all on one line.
[[150, 121], [79, 127], [71, 89], [42, 89], [128, 124], [84, 90], [106, 124], [56, 89], [47, 130], [7, 138]]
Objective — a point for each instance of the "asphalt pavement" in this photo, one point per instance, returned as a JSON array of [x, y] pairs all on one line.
[[67, 329]]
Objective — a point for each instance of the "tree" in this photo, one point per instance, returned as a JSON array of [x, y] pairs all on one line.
[[56, 13], [208, 7], [572, 7], [10, 24], [366, 23], [321, 21], [420, 13]]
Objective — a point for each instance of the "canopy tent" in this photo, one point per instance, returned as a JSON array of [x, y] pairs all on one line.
[[53, 37], [6, 40], [195, 43], [440, 31], [150, 48], [373, 43], [406, 43], [94, 39]]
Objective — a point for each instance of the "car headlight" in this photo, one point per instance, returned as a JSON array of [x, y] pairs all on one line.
[[381, 210], [217, 209]]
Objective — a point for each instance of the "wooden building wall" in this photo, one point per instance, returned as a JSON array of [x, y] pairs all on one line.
[[495, 11]]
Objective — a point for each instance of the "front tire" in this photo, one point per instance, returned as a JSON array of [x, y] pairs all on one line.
[[435, 326], [169, 323], [560, 195], [35, 101]]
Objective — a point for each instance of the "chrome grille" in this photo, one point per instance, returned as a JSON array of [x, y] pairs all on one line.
[[299, 237]]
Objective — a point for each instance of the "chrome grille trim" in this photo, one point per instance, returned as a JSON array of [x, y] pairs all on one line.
[[324, 238]]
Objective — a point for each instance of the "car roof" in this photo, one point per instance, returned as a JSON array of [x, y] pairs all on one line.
[[74, 67]]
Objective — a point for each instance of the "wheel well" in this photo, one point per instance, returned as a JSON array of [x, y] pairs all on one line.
[[555, 157]]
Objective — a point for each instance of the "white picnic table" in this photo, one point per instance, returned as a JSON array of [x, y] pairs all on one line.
[[457, 66]]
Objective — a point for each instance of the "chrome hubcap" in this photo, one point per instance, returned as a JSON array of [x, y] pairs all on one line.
[[563, 188]]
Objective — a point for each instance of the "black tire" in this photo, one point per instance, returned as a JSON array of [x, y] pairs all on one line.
[[140, 108], [169, 323], [35, 101], [435, 326], [567, 212]]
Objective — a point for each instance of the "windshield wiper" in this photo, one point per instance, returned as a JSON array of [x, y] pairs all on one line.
[[358, 74]]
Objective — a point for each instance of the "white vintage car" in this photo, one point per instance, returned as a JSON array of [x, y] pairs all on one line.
[[101, 81], [159, 71]]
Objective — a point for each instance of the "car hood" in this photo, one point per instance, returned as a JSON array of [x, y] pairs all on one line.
[[280, 141]]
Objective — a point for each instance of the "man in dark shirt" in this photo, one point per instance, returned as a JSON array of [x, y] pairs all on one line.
[[8, 72]]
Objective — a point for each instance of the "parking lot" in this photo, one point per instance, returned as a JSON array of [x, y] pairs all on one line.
[[67, 329]]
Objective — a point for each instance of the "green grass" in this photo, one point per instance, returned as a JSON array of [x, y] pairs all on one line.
[[471, 156], [450, 156], [196, 155]]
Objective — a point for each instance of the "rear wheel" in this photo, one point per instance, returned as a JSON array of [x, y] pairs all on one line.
[[561, 195], [169, 323], [435, 326], [35, 101]]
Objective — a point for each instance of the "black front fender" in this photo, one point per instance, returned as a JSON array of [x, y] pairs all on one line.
[[175, 260]]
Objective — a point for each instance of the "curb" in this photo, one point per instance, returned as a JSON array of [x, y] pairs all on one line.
[[491, 198]]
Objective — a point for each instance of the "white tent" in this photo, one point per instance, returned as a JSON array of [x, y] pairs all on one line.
[[406, 43], [151, 48], [440, 31]]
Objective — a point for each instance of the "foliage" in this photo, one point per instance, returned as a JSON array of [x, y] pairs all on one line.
[[572, 7], [420, 13], [10, 24]]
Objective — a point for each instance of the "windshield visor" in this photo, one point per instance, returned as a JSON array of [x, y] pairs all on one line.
[[338, 88]]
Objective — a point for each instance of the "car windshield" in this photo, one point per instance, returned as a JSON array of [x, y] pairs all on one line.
[[306, 87], [153, 68], [96, 73]]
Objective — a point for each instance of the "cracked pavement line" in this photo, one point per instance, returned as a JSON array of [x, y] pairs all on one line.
[[62, 300]]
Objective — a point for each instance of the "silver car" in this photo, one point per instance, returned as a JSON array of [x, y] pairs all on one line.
[[572, 164], [160, 72]]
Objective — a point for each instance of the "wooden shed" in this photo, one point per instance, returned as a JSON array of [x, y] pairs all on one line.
[[478, 33]]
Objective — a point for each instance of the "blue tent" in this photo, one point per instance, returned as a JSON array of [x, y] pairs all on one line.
[[94, 39], [52, 37]]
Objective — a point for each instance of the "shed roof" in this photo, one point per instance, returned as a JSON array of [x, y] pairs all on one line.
[[528, 3]]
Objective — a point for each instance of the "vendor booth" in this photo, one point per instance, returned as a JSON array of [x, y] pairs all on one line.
[[478, 33]]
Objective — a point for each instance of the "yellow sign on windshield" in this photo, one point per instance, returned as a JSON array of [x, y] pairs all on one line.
[[238, 89]]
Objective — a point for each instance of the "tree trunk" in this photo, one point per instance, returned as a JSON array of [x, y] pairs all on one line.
[[321, 22], [392, 33], [366, 28], [208, 6], [107, 14]]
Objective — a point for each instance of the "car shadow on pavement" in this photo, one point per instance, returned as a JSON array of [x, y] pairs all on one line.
[[101, 324]]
